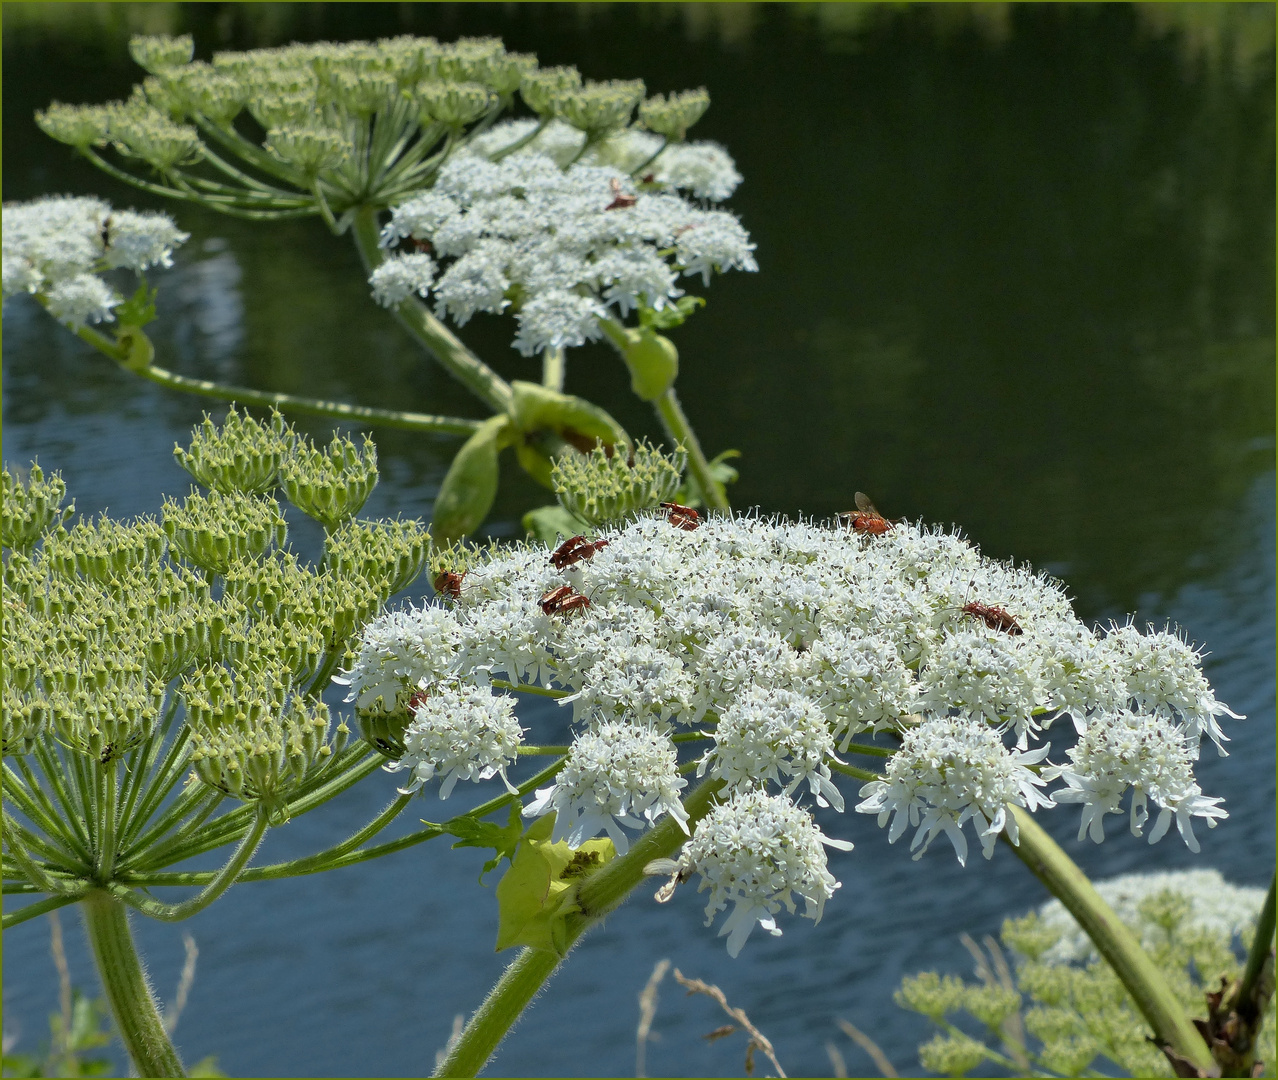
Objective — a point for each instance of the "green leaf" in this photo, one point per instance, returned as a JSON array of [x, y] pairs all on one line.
[[138, 309], [503, 839], [538, 408], [539, 891], [690, 493], [671, 315], [469, 488], [549, 523]]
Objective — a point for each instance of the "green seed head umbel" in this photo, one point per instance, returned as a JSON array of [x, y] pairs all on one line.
[[389, 552], [161, 54], [599, 107], [673, 116], [539, 89], [252, 737], [603, 486], [330, 485], [216, 531], [28, 511], [242, 455]]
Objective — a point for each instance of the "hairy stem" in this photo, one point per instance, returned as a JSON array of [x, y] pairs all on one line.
[[680, 430], [133, 1006], [1115, 942], [527, 974], [441, 342]]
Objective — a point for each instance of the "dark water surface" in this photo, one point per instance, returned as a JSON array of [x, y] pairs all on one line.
[[1016, 272]]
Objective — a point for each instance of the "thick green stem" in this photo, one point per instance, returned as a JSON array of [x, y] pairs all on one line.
[[243, 395], [527, 974], [442, 343], [1115, 942], [680, 430], [133, 1006], [553, 368]]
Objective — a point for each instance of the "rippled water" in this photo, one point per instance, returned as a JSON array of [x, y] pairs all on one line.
[[1014, 274]]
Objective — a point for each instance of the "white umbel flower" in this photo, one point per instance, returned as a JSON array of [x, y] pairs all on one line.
[[1149, 754], [460, 733], [755, 852], [617, 774], [949, 771], [402, 276], [775, 735], [399, 653]]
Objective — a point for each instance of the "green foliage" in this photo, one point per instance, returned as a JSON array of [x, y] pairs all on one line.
[[539, 890], [1079, 1018], [470, 485], [69, 1051], [502, 839]]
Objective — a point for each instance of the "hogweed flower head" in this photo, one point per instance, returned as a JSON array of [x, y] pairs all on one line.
[[215, 531], [459, 733], [785, 641]]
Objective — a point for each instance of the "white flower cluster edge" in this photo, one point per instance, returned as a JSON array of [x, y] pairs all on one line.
[[781, 642]]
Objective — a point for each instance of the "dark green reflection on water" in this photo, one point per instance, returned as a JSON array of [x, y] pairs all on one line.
[[1017, 266]]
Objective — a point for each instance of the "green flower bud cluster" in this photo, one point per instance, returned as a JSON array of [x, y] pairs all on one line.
[[454, 104], [76, 125], [25, 715], [139, 130], [310, 150], [105, 549], [160, 54], [107, 716], [217, 530], [673, 116], [393, 551], [953, 1054], [540, 89], [29, 510], [252, 736], [599, 107], [200, 89], [604, 486], [330, 485], [242, 455]]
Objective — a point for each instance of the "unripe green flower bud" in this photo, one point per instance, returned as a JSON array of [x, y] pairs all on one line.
[[203, 90], [106, 717], [146, 133], [504, 72], [252, 737], [362, 93], [455, 104], [539, 89], [28, 511], [952, 1055], [26, 716], [80, 126], [105, 550], [389, 552], [330, 485], [159, 54], [310, 149], [242, 455], [930, 994], [599, 107], [466, 59], [384, 732], [284, 108], [673, 116], [602, 486], [215, 531]]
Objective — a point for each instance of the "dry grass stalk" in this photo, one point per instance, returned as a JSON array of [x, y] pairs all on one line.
[[758, 1041], [647, 1010]]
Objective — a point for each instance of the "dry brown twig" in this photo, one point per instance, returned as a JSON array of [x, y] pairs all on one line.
[[647, 1010], [868, 1045], [758, 1041]]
